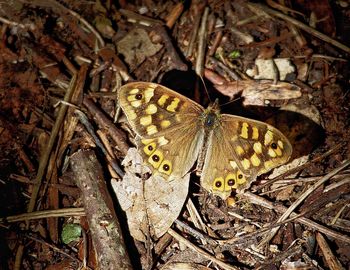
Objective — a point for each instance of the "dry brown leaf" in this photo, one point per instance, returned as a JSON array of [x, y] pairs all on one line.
[[285, 194], [136, 46], [263, 92], [151, 205], [260, 93]]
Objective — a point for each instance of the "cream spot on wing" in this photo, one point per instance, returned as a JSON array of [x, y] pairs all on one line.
[[162, 100], [233, 164], [272, 153], [239, 150], [132, 115], [131, 98], [268, 137], [134, 91], [178, 118], [162, 141], [165, 123], [255, 160], [246, 164], [146, 120], [173, 105], [257, 147], [151, 109], [278, 151], [136, 103], [147, 141], [244, 131], [149, 92], [255, 133], [280, 144], [152, 129]]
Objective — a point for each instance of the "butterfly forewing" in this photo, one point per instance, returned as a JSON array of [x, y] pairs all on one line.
[[166, 124]]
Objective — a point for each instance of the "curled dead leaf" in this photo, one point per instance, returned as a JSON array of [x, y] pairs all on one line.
[[151, 205], [259, 93]]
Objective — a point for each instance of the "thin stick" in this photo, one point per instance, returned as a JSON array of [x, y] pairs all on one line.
[[65, 212], [194, 32], [45, 157], [229, 71], [303, 197], [302, 26], [44, 161], [55, 248], [205, 254], [83, 21], [303, 220], [331, 260], [202, 43], [205, 238], [20, 25], [301, 167]]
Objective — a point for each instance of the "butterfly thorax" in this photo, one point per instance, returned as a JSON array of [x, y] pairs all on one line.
[[211, 116]]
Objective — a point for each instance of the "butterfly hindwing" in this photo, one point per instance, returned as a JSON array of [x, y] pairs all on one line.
[[247, 148]]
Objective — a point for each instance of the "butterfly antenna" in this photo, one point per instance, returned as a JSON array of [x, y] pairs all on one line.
[[231, 101], [205, 87]]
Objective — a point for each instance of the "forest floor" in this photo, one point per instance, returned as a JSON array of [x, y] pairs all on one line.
[[69, 201]]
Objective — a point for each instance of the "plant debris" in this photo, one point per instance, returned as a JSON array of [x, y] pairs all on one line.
[[64, 137]]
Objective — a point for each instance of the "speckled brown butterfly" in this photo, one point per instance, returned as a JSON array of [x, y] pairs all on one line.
[[174, 131]]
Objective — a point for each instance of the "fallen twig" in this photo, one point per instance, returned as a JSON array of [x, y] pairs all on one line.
[[105, 230], [205, 254], [302, 26]]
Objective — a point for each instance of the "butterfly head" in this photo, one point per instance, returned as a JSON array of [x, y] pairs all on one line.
[[214, 106]]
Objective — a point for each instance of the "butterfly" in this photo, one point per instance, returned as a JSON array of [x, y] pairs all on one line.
[[173, 132]]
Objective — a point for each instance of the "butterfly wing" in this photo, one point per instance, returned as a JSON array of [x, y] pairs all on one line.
[[239, 150], [169, 134]]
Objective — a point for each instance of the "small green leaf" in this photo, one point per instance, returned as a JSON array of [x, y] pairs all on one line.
[[70, 232], [234, 54]]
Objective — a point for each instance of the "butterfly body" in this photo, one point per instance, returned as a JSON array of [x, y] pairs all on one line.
[[174, 131]]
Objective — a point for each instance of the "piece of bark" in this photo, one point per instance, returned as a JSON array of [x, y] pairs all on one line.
[[104, 225]]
